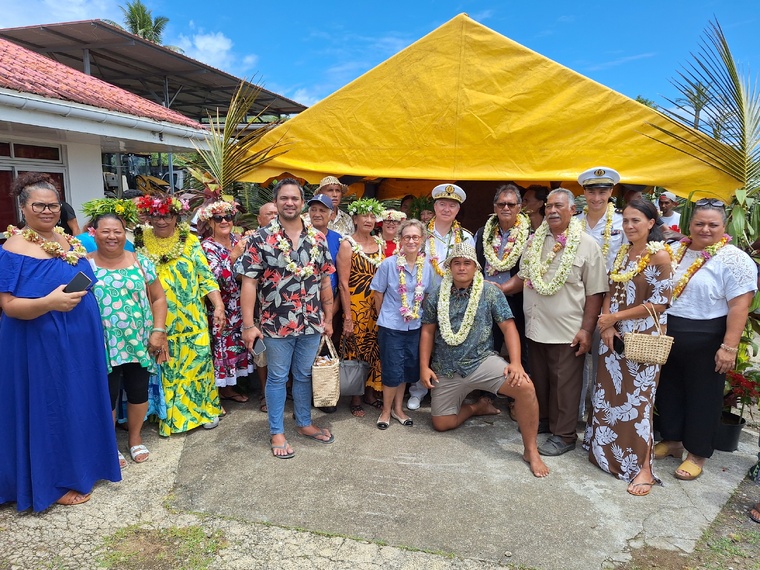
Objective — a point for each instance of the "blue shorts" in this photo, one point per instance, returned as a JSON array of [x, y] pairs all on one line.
[[399, 355]]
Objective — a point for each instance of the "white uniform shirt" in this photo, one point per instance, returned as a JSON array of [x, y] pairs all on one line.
[[616, 235], [443, 245], [729, 274]]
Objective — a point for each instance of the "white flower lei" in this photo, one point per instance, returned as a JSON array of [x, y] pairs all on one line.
[[535, 269], [518, 237], [444, 322], [376, 258], [607, 227], [410, 314], [284, 246]]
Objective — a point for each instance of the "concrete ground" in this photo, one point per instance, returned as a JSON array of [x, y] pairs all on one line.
[[401, 498]]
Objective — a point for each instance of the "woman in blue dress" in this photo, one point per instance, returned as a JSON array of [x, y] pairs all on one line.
[[56, 429]]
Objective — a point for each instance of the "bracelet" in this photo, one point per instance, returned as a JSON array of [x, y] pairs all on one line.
[[729, 349], [157, 330], [245, 328]]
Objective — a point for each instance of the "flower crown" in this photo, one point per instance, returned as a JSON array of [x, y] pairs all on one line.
[[125, 209], [219, 208], [366, 206], [393, 215], [158, 206]]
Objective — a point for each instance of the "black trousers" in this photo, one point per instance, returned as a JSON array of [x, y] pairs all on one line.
[[690, 394]]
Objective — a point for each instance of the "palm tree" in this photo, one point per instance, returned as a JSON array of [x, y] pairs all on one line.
[[139, 20], [695, 98]]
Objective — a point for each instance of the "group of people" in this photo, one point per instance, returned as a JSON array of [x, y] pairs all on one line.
[[532, 306]]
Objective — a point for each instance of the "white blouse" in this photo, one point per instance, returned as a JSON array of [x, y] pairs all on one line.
[[729, 274]]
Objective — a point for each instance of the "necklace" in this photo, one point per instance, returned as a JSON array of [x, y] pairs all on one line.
[[518, 237], [652, 248], [284, 246], [410, 314], [432, 255], [702, 257], [535, 269], [161, 250], [375, 258], [444, 321], [607, 227], [72, 256]]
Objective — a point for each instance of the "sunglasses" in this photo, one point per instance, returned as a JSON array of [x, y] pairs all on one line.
[[226, 218], [709, 203]]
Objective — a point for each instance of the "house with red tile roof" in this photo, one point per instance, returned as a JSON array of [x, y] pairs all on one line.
[[59, 120]]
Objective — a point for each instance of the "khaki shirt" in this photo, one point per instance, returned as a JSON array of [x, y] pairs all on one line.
[[556, 319]]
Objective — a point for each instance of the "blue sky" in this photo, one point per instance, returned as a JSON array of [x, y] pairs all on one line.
[[307, 50]]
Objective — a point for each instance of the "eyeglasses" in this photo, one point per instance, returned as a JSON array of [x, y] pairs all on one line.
[[39, 207], [226, 218], [709, 203], [411, 238], [510, 205], [391, 221]]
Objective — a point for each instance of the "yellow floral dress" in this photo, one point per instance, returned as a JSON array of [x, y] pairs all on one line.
[[364, 315], [191, 395]]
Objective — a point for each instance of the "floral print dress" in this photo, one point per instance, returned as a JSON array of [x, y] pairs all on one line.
[[619, 432], [230, 356]]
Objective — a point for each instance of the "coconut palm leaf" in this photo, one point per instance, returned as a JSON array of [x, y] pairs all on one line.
[[228, 156]]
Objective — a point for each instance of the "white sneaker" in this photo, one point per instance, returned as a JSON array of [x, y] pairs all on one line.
[[413, 403], [212, 424]]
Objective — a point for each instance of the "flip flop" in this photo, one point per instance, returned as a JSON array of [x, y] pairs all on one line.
[[239, 398], [634, 485], [122, 461], [313, 436], [263, 404], [73, 498], [755, 517], [136, 451], [357, 411], [284, 446], [376, 404], [691, 468]]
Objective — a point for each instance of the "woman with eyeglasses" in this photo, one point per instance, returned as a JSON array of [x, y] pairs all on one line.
[[223, 248], [713, 286], [192, 399], [56, 430], [389, 230], [400, 285]]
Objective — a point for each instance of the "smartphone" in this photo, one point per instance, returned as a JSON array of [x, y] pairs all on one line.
[[259, 347], [618, 344], [80, 282]]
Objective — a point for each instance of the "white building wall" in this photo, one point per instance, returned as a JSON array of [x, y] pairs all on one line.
[[85, 175]]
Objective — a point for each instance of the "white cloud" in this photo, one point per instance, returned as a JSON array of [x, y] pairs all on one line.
[[620, 61], [305, 96], [217, 50], [482, 15]]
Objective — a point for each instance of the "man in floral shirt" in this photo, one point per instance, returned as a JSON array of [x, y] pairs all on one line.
[[287, 267], [457, 356]]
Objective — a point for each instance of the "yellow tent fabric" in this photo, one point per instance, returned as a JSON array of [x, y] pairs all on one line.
[[466, 103]]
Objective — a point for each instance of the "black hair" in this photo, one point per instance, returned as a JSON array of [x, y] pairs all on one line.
[[405, 198], [542, 193], [286, 182], [107, 216], [647, 208], [25, 183]]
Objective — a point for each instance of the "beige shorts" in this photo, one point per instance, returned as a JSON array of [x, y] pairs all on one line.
[[449, 393]]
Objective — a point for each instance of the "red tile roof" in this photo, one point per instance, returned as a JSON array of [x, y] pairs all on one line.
[[29, 72]]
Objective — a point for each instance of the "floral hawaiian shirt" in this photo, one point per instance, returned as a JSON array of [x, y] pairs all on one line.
[[290, 305], [465, 358]]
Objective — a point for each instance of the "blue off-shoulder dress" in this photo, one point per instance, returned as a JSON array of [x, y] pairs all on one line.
[[56, 428]]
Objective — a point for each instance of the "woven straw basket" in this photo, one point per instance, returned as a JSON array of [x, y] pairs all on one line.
[[648, 348], [325, 380]]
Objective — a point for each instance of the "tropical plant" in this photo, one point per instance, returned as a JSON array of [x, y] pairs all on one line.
[[139, 20], [648, 102]]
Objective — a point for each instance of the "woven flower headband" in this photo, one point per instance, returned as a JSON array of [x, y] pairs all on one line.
[[219, 208], [125, 209], [155, 206], [366, 206], [393, 215]]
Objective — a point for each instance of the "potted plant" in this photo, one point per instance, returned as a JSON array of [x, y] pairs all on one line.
[[743, 391]]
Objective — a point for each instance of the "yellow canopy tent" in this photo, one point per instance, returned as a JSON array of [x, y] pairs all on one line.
[[466, 103]]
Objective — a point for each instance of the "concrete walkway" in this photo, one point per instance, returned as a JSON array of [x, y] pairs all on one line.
[[402, 498]]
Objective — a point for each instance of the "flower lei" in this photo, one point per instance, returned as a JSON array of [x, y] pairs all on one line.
[[535, 269], [393, 216], [284, 246], [72, 256], [376, 258], [444, 322], [366, 206], [158, 206], [702, 257], [607, 227], [410, 314], [516, 241], [652, 248], [161, 250], [456, 228], [218, 208]]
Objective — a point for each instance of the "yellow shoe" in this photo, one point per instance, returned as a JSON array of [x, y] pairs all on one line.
[[663, 450], [689, 467]]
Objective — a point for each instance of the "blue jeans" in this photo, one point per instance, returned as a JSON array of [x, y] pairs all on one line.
[[294, 353]]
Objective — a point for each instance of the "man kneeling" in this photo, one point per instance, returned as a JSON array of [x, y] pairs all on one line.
[[457, 334]]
